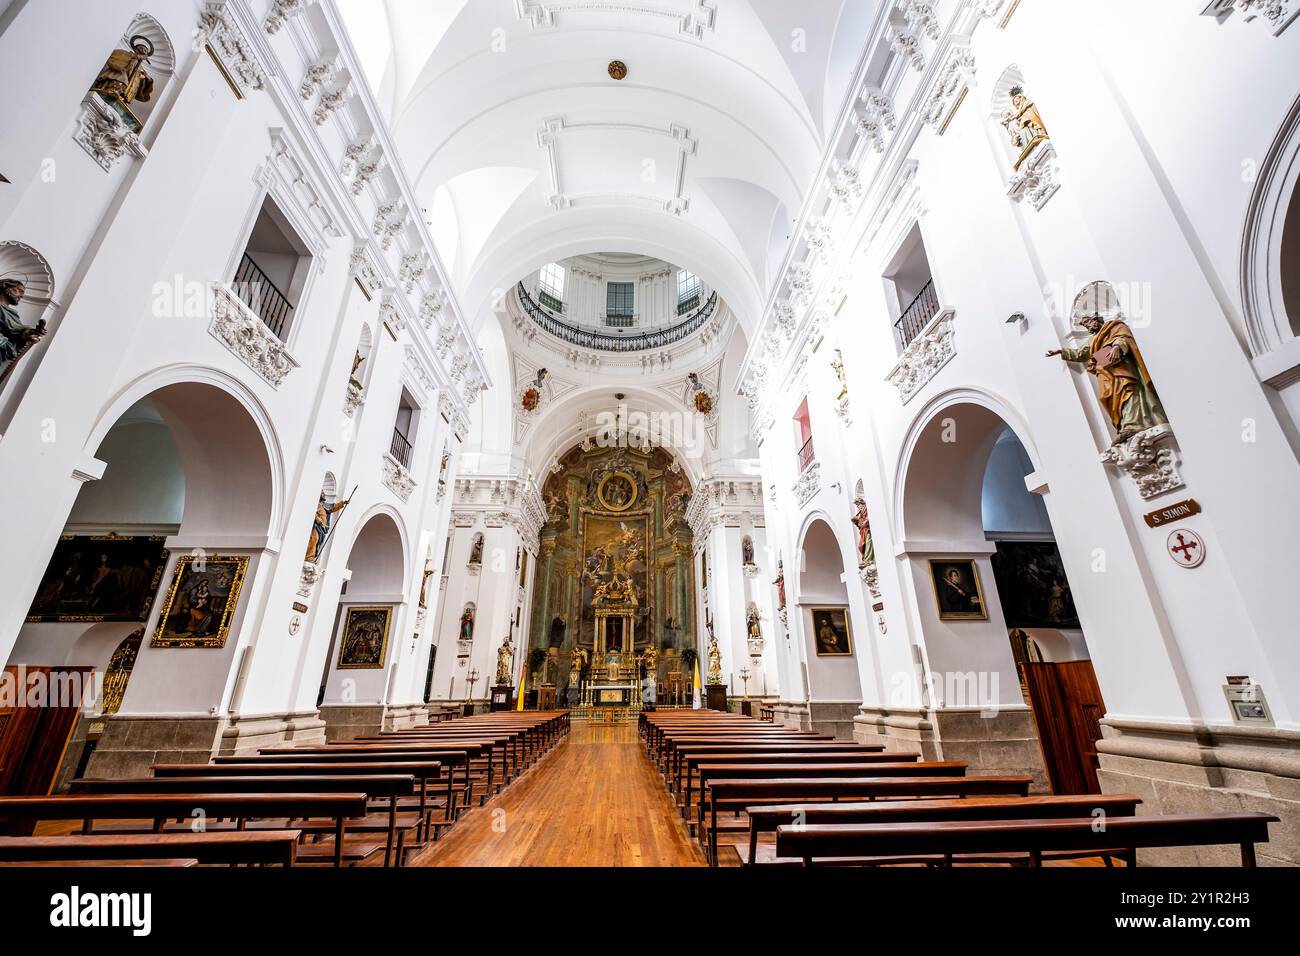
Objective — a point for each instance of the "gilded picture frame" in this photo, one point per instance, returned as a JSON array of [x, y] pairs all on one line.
[[958, 592], [832, 634], [201, 601], [617, 491], [363, 645]]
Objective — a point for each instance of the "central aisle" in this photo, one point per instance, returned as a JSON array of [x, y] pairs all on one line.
[[595, 800]]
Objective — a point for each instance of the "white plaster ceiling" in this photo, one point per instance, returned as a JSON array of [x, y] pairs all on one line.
[[523, 150]]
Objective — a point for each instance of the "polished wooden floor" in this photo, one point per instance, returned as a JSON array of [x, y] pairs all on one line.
[[595, 800]]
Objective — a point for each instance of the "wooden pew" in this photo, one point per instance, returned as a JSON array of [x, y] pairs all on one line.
[[740, 793], [844, 771], [385, 787], [674, 768], [451, 757], [422, 772], [689, 758], [252, 847], [764, 820], [1034, 837], [161, 807]]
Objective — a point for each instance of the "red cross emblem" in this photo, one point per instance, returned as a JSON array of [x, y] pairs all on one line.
[[1185, 547]]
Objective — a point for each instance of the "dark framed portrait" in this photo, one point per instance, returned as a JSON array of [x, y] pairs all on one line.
[[1032, 587], [108, 577], [201, 601], [364, 643], [958, 594], [830, 631]]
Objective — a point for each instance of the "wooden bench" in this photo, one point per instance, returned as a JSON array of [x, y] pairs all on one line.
[[764, 820], [740, 793], [691, 759], [24, 812], [423, 773], [673, 772], [1034, 837], [254, 848], [385, 787]]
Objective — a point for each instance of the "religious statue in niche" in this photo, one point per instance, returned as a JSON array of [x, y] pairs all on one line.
[[837, 364], [531, 397], [1024, 124], [320, 527], [124, 80], [357, 360], [866, 547], [747, 551], [651, 659], [1124, 386], [701, 399], [577, 661], [467, 623], [505, 657], [15, 337], [476, 550], [715, 660]]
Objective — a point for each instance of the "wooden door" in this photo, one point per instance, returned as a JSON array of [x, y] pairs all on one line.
[[1068, 708], [35, 725]]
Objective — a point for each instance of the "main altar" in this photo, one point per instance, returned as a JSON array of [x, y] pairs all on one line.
[[614, 575]]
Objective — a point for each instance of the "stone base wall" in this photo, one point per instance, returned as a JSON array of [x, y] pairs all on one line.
[[991, 742], [1206, 769], [787, 713], [131, 744], [833, 717]]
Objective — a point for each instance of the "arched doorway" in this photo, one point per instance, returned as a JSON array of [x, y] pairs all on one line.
[[170, 540], [366, 636], [992, 595], [830, 634]]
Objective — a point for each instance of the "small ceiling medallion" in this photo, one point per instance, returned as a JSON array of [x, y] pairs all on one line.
[[617, 69]]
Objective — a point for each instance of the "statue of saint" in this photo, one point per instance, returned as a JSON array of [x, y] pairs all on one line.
[[505, 656], [15, 338], [467, 624], [320, 526], [837, 363], [747, 551], [124, 80], [651, 658], [866, 547], [424, 583], [577, 660], [1023, 123], [753, 627], [476, 550], [715, 662], [357, 359], [780, 584], [1124, 386]]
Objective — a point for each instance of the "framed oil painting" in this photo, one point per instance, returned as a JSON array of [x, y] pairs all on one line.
[[95, 578], [364, 643], [957, 590], [201, 601], [831, 634], [1032, 586]]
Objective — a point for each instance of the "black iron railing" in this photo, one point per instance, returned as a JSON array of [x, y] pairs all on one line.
[[615, 342], [917, 315], [619, 320], [806, 455], [400, 449], [688, 304], [260, 294], [554, 303]]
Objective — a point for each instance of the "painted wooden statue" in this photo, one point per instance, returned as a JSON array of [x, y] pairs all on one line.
[[1124, 386]]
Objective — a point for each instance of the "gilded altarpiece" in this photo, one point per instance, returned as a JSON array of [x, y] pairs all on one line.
[[615, 571]]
